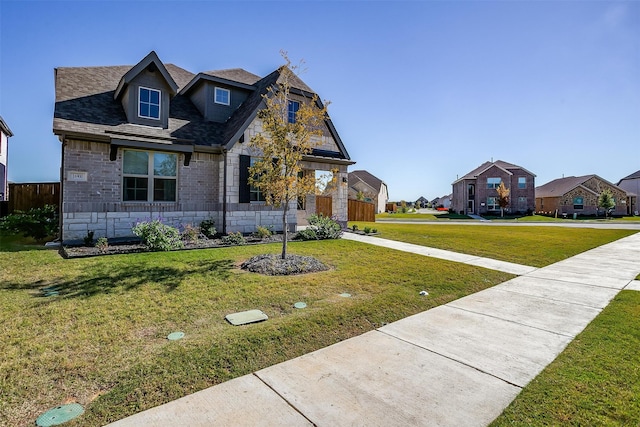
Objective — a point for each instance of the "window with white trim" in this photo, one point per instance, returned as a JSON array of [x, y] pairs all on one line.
[[522, 182], [222, 96], [148, 103], [149, 176], [493, 182], [492, 204]]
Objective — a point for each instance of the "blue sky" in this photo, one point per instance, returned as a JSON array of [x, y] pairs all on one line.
[[420, 91]]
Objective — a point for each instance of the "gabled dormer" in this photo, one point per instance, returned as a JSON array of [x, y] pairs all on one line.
[[145, 92], [218, 94]]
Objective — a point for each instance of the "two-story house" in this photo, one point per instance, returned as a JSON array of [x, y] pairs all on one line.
[[372, 188], [155, 140], [475, 193], [5, 134]]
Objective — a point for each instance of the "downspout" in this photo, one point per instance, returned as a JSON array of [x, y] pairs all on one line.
[[60, 229], [224, 193]]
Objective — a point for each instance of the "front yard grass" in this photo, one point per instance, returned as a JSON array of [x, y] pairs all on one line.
[[102, 341], [531, 245], [594, 382]]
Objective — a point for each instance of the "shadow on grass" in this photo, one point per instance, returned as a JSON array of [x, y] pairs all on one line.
[[16, 243], [107, 279]]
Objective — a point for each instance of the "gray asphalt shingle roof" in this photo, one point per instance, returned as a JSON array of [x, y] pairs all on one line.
[[85, 104], [560, 186]]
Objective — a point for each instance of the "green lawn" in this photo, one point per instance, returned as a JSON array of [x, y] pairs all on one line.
[[534, 246], [102, 341], [594, 382]]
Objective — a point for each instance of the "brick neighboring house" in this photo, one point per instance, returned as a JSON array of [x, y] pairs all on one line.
[[5, 134], [631, 184], [374, 189], [475, 193], [578, 194], [155, 140]]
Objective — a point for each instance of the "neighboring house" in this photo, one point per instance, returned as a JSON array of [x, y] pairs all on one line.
[[5, 134], [475, 193], [443, 202], [579, 195], [422, 202], [631, 184], [373, 189], [155, 140]]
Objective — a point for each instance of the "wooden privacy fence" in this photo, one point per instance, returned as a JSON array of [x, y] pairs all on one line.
[[23, 197], [324, 206], [361, 211]]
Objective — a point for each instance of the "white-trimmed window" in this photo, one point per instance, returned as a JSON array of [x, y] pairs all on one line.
[[149, 103], [522, 182], [493, 182], [149, 176], [492, 204], [222, 96]]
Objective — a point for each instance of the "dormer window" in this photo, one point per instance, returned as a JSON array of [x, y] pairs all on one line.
[[294, 106], [222, 96], [149, 103]]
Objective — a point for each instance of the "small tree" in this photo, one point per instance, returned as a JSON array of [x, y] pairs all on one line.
[[605, 201], [282, 144], [503, 197]]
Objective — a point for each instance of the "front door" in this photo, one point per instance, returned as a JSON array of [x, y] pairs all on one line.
[[470, 207]]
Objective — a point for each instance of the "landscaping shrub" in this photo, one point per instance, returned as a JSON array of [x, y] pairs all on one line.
[[157, 236], [320, 228], [263, 232], [207, 227], [234, 239], [88, 239], [190, 233], [367, 230], [102, 244], [38, 223]]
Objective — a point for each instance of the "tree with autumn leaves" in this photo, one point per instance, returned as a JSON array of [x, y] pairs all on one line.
[[283, 143], [503, 197]]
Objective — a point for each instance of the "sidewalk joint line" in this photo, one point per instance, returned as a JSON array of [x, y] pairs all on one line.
[[255, 374]]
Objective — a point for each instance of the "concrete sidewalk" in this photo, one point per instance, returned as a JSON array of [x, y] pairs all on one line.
[[459, 364], [507, 267]]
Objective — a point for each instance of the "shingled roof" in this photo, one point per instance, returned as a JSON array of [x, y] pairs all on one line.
[[635, 175], [560, 186], [507, 167], [85, 105], [366, 177]]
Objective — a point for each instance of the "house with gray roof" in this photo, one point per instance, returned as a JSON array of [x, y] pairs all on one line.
[[370, 188], [579, 195], [475, 192], [155, 140], [5, 134], [631, 184]]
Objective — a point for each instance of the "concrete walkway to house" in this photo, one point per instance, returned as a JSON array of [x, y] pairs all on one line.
[[504, 266], [459, 364]]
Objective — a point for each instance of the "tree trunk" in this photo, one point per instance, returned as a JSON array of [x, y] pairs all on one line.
[[285, 230]]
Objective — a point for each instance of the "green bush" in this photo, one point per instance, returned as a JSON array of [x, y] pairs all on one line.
[[354, 227], [88, 239], [157, 236], [234, 239], [102, 244], [38, 223], [367, 230], [263, 232], [320, 228], [207, 227]]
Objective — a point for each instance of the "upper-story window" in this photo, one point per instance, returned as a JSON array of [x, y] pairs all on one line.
[[222, 96], [522, 182], [293, 108], [493, 182], [148, 103]]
